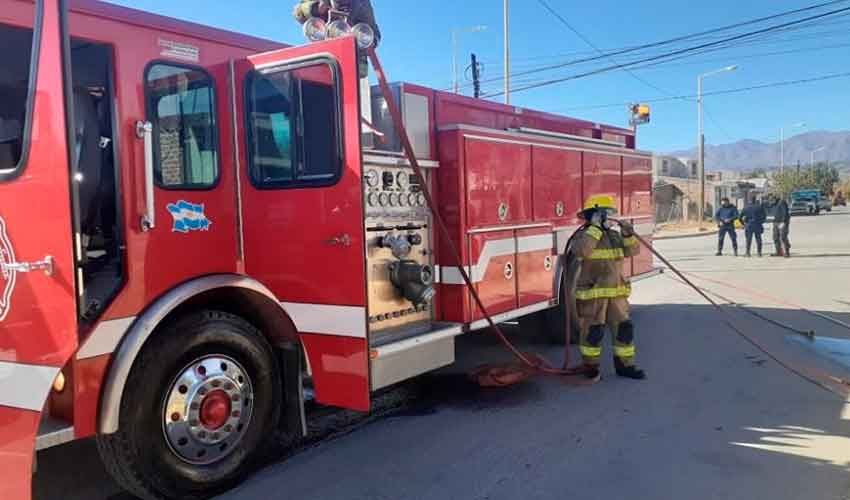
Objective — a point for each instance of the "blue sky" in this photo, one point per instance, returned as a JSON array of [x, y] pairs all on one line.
[[417, 48]]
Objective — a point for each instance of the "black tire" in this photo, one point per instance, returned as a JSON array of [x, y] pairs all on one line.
[[139, 455]]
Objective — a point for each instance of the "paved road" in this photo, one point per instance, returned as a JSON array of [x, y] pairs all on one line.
[[717, 418]]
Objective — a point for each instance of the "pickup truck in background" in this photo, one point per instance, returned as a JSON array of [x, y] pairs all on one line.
[[809, 202]]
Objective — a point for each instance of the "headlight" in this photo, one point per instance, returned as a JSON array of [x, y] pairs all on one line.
[[315, 29], [338, 28], [364, 34]]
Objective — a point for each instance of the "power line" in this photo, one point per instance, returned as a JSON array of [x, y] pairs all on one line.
[[692, 36], [672, 62], [597, 49], [673, 53], [786, 83]]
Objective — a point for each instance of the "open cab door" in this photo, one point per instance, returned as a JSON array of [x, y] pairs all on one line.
[[38, 306], [297, 122]]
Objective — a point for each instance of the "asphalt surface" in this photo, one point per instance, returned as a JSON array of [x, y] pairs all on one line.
[[718, 417]]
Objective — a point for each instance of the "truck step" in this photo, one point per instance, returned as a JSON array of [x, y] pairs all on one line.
[[53, 432], [410, 356]]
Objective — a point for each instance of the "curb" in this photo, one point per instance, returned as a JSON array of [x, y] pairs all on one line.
[[683, 236]]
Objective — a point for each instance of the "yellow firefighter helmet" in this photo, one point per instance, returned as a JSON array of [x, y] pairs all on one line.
[[601, 202]]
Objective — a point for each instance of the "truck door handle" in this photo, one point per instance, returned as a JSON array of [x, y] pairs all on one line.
[[343, 240], [144, 131], [45, 265]]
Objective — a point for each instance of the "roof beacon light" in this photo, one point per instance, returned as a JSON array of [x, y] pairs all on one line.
[[364, 34], [338, 28], [315, 29]]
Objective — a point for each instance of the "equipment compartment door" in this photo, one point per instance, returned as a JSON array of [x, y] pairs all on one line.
[[637, 205], [601, 175], [498, 182], [302, 204], [535, 262], [557, 184], [494, 272], [38, 307]]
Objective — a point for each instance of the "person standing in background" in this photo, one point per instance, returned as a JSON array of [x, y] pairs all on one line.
[[726, 216], [781, 227], [753, 217]]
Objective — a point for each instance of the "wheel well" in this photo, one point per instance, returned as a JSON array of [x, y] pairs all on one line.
[[268, 317], [233, 294]]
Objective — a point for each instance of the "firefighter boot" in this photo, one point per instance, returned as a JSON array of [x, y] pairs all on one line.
[[592, 372], [629, 371]]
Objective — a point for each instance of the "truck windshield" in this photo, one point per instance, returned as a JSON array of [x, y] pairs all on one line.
[[14, 94]]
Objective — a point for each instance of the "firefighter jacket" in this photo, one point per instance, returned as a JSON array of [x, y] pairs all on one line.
[[603, 252]]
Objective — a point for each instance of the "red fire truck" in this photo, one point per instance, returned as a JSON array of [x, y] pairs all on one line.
[[197, 229]]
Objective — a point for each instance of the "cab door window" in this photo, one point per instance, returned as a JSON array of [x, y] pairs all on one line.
[[181, 107], [294, 126], [15, 97]]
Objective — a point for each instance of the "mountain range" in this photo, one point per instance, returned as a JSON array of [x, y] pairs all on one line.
[[749, 154]]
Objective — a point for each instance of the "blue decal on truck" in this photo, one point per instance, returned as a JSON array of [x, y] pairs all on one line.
[[188, 217]]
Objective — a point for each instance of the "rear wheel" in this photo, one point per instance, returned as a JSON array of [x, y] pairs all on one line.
[[202, 399]]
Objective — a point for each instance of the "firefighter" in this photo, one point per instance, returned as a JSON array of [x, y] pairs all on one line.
[[725, 217], [602, 290], [753, 217], [781, 226]]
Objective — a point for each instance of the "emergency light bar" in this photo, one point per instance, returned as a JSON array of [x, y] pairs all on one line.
[[316, 30]]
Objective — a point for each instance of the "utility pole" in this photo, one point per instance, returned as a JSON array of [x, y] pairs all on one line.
[[455, 33], [701, 141], [476, 77], [782, 144], [507, 55]]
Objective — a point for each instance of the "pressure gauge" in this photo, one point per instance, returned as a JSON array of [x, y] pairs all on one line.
[[372, 199], [372, 178], [393, 199], [412, 199], [402, 200], [421, 199], [402, 180], [384, 199]]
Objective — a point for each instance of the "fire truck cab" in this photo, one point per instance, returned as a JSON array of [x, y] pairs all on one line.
[[197, 229]]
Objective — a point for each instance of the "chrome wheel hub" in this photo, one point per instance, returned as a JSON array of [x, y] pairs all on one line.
[[207, 409]]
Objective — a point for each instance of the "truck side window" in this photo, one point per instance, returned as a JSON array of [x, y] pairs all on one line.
[[294, 127], [181, 106], [15, 97]]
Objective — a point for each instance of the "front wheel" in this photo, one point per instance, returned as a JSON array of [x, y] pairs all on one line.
[[202, 399]]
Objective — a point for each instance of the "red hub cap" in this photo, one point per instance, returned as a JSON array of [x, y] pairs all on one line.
[[215, 410]]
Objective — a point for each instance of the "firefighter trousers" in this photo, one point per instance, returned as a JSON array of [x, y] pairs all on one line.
[[593, 316]]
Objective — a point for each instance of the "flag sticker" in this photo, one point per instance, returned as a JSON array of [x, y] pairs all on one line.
[[7, 275], [188, 217]]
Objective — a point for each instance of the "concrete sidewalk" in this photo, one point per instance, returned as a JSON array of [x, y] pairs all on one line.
[[686, 233]]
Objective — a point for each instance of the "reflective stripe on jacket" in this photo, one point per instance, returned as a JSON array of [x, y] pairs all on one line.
[[603, 253]]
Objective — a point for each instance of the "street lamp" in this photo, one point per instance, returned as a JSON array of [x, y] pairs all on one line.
[[812, 163], [701, 140], [455, 32], [782, 144]]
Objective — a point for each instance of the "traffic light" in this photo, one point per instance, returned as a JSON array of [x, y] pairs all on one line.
[[640, 114]]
